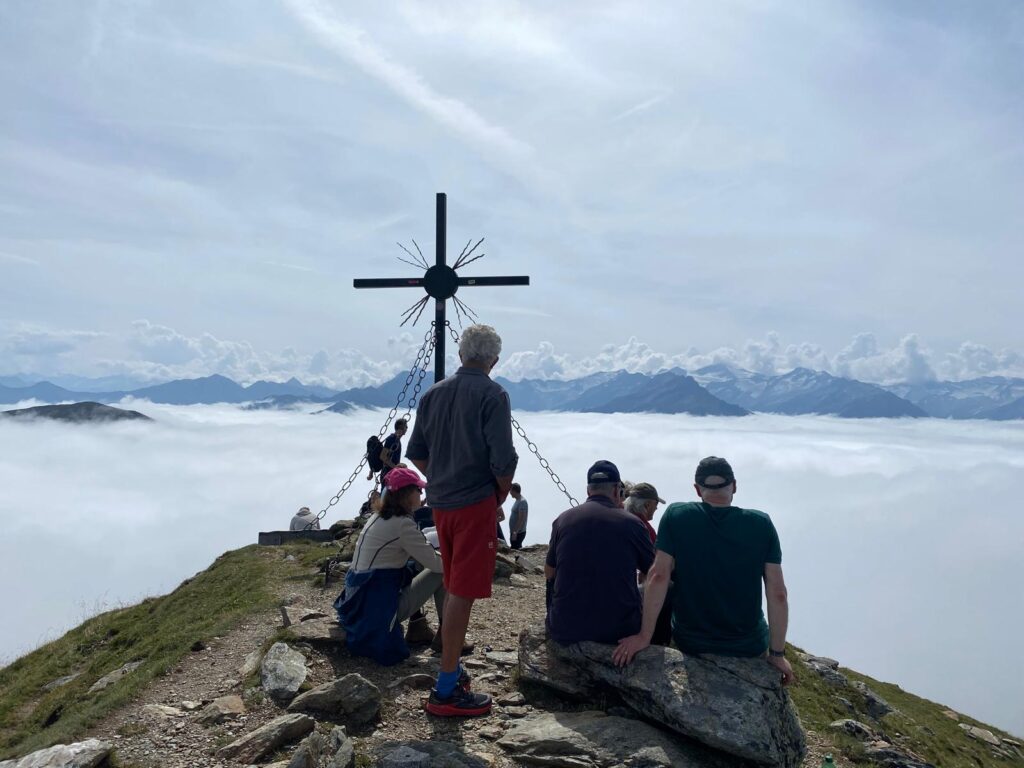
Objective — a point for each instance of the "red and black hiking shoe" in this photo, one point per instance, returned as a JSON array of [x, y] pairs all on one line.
[[461, 703]]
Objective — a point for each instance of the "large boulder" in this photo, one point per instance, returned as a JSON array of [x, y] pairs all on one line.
[[539, 665], [734, 705], [353, 696], [599, 740], [256, 745], [283, 671], [82, 754]]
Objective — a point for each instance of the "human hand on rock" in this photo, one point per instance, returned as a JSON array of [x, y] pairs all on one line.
[[628, 648], [781, 663]]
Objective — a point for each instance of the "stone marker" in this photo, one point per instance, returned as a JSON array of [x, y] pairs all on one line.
[[734, 705], [112, 677], [256, 745], [283, 671], [353, 696], [82, 754], [599, 740]]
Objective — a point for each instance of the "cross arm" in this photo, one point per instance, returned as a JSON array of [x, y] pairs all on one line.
[[488, 281], [388, 282]]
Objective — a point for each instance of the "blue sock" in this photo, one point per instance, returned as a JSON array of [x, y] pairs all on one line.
[[446, 682]]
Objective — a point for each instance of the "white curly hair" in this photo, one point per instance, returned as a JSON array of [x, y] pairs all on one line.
[[480, 344]]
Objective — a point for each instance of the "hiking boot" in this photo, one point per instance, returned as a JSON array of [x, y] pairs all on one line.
[[461, 703], [467, 647], [419, 632]]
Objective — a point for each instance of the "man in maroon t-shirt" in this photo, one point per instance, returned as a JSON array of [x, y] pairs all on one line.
[[595, 552]]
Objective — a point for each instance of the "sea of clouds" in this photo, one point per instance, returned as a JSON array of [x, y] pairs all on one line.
[[901, 539]]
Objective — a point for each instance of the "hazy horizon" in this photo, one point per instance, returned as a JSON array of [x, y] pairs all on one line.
[[893, 568]]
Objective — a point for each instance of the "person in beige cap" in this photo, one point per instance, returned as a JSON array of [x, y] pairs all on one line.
[[642, 500]]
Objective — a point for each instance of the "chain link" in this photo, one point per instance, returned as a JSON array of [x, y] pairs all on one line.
[[532, 446], [416, 374]]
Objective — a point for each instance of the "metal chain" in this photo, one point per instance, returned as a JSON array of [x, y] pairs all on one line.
[[532, 446], [417, 373]]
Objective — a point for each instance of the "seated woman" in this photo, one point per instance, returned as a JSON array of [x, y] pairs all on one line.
[[380, 592]]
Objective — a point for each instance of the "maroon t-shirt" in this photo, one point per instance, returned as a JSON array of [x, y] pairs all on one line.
[[596, 550]]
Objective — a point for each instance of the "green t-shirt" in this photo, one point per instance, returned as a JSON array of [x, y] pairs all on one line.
[[720, 554]]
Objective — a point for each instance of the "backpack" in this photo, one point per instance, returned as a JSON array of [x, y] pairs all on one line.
[[373, 449]]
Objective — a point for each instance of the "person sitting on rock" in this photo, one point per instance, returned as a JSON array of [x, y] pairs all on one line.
[[379, 591], [718, 555], [595, 552], [304, 520], [642, 500]]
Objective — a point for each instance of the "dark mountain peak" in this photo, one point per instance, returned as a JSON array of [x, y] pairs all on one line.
[[76, 413]]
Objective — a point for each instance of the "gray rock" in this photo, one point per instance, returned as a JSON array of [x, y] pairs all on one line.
[[981, 734], [353, 696], [518, 580], [855, 728], [406, 757], [342, 749], [82, 754], [891, 757], [322, 630], [437, 754], [251, 665], [734, 705], [539, 665], [221, 709], [112, 677], [310, 753], [877, 706], [420, 680], [826, 668], [502, 658], [60, 682], [588, 739], [297, 614], [528, 565], [256, 745], [162, 710], [283, 671]]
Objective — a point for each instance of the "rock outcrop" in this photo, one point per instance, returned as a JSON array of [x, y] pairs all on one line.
[[603, 741], [353, 697], [737, 706], [83, 754], [282, 672], [256, 745]]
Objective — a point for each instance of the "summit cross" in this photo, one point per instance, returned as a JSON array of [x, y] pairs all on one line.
[[441, 283]]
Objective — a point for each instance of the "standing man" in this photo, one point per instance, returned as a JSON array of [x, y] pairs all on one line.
[[462, 442], [596, 550], [391, 453], [718, 555], [517, 517]]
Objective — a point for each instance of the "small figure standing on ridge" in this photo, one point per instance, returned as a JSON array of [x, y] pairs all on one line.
[[391, 452], [517, 517], [304, 520], [462, 442], [728, 551]]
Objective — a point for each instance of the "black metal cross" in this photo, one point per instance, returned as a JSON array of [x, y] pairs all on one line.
[[441, 283]]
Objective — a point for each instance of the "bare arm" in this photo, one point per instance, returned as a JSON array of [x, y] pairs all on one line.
[[549, 572], [777, 598], [655, 590], [421, 465]]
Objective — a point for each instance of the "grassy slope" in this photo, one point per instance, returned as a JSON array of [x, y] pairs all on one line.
[[159, 631], [918, 724], [162, 630]]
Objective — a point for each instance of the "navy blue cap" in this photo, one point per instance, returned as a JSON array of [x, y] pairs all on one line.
[[603, 471]]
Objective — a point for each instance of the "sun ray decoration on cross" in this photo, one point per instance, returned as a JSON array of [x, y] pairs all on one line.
[[441, 283]]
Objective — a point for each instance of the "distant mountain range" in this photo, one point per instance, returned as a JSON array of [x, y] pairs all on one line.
[[716, 390], [77, 413]]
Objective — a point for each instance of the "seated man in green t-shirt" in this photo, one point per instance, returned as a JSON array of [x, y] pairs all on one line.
[[718, 555]]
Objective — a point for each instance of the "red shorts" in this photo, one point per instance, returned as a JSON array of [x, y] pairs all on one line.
[[469, 545]]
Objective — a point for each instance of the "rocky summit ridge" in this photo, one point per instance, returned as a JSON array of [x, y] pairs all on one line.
[[243, 664]]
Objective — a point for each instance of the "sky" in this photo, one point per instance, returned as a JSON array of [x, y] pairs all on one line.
[[900, 549], [189, 188]]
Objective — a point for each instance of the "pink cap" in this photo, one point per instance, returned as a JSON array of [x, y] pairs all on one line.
[[400, 477]]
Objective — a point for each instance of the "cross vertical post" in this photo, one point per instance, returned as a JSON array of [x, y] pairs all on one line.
[[440, 281], [440, 260]]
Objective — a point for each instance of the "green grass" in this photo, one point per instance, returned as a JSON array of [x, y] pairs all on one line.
[[159, 631], [918, 724]]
